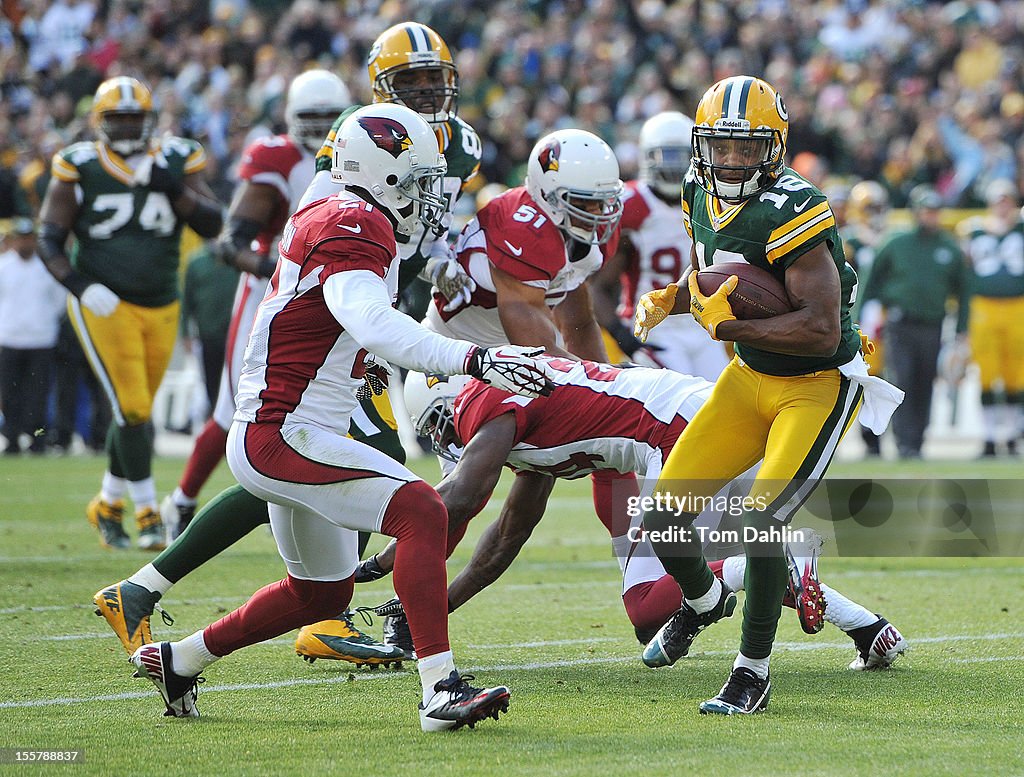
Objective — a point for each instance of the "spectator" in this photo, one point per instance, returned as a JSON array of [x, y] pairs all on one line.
[[914, 274], [31, 302]]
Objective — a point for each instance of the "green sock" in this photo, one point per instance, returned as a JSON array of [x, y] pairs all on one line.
[[113, 456], [222, 522], [135, 451], [765, 583], [683, 560]]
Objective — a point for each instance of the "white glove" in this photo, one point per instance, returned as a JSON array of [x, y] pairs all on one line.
[[511, 368], [447, 275], [100, 300]]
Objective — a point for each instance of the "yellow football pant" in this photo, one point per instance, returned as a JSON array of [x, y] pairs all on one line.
[[795, 425], [996, 330], [129, 352]]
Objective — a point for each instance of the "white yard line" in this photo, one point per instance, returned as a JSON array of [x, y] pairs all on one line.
[[348, 676]]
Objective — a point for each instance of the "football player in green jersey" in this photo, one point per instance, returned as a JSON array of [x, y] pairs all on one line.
[[784, 396], [995, 247], [125, 197]]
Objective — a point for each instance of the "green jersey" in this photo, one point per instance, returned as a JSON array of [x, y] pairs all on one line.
[[771, 231], [128, 237], [997, 259], [462, 151]]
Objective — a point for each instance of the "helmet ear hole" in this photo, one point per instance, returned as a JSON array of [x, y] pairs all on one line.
[[391, 180]]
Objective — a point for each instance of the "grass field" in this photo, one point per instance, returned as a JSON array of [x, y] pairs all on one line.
[[553, 629]]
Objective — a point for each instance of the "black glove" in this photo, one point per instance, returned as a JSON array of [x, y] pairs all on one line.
[[369, 570]]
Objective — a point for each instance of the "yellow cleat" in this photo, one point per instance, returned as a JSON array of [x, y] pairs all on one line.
[[127, 608], [151, 530], [106, 518], [340, 640]]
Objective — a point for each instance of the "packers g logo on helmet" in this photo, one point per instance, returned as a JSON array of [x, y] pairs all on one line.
[[411, 65], [122, 114], [739, 141]]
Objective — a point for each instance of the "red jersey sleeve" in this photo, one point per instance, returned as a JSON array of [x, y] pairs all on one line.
[[478, 403], [635, 209], [343, 235], [270, 161], [520, 238]]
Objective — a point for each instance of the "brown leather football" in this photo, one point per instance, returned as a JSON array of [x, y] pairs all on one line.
[[757, 294]]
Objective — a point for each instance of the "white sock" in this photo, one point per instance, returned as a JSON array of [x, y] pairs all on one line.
[[733, 571], [990, 421], [150, 579], [113, 488], [181, 499], [758, 666], [143, 493], [845, 613], [433, 669], [708, 600], [190, 656]]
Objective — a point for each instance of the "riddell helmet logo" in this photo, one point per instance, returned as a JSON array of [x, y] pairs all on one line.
[[434, 379], [387, 134], [548, 156]]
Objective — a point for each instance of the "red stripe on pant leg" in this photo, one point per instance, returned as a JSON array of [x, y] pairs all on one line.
[[277, 609], [206, 455], [272, 457], [417, 519], [650, 604], [233, 332]]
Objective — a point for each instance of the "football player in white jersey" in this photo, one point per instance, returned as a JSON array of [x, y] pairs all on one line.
[[274, 173], [327, 318], [597, 418], [652, 253]]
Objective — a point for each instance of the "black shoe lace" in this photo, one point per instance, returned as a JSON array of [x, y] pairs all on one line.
[[390, 607], [164, 615], [458, 686], [739, 681], [363, 612]]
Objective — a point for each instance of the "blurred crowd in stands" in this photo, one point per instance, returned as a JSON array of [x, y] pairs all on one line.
[[902, 92], [899, 91]]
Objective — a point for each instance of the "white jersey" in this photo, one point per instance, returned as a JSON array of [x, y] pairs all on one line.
[[287, 167], [512, 234], [598, 418], [301, 365], [660, 253]]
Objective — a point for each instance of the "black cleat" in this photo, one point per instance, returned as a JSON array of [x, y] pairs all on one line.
[[743, 693], [673, 640], [456, 703]]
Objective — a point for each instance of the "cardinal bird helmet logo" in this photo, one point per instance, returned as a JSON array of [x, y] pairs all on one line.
[[387, 134]]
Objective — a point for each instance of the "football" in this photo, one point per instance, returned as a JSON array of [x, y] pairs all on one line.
[[757, 294]]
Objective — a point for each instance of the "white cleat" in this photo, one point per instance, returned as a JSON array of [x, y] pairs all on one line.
[[880, 650], [178, 692]]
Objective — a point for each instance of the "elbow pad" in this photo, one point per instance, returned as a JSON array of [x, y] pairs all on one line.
[[51, 241], [206, 218]]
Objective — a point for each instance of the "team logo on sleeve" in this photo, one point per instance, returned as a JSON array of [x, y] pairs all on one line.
[[548, 156], [387, 134]]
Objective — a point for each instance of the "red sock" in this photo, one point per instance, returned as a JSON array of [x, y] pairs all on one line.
[[716, 568], [611, 490], [206, 455], [417, 519], [276, 609], [455, 535], [650, 604]]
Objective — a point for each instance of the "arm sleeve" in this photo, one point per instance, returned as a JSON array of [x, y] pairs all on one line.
[[359, 300]]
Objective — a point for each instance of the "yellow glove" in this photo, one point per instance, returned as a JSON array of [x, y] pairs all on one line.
[[652, 309], [712, 310]]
